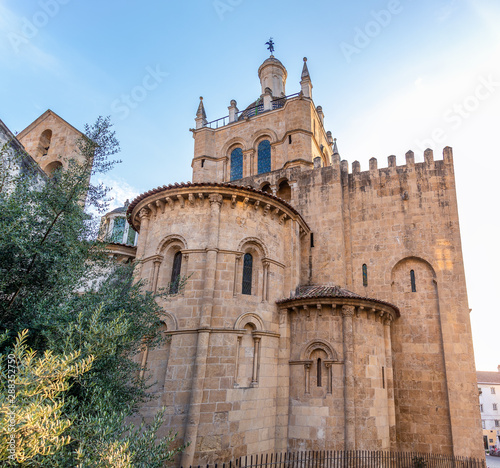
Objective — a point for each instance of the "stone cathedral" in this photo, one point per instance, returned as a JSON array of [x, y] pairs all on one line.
[[325, 307]]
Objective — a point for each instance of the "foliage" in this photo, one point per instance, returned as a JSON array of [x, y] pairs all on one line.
[[45, 230], [57, 281], [37, 400]]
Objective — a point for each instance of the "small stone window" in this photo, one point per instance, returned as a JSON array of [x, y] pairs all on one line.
[[236, 164], [266, 188], [264, 157], [481, 408], [412, 280], [365, 275], [246, 287], [495, 408], [497, 423], [284, 191], [176, 273], [492, 389], [318, 372], [44, 143], [483, 423]]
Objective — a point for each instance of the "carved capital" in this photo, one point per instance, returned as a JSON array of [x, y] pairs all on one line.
[[347, 311], [215, 198], [144, 213]]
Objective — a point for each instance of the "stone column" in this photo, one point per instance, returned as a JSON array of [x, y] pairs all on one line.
[[349, 409], [265, 280], [256, 357], [237, 260], [237, 360], [156, 269], [153, 285], [200, 364], [211, 259], [144, 216], [389, 383], [283, 390], [307, 369], [329, 374]]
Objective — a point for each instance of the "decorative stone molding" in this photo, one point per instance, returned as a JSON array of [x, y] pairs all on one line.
[[144, 213], [249, 317], [347, 311], [184, 195], [170, 239], [215, 198], [255, 242], [345, 306], [309, 348]]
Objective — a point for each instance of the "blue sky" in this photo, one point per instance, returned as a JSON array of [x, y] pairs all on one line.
[[390, 75]]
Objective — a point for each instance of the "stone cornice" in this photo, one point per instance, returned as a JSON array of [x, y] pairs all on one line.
[[222, 330], [371, 307], [166, 198]]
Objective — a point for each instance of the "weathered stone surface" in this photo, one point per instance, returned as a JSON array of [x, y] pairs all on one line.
[[245, 374]]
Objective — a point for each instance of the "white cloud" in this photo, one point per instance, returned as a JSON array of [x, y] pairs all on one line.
[[120, 190]]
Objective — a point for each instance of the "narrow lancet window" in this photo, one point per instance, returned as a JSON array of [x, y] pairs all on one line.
[[365, 275], [176, 273], [236, 164], [246, 287], [412, 279], [318, 370], [264, 157]]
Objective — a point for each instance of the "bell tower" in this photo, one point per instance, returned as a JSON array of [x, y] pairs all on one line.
[[275, 132]]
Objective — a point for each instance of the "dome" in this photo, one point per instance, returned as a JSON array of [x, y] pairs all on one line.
[[272, 60], [272, 75]]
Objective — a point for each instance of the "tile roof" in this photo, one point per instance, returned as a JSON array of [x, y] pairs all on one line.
[[323, 291], [488, 377]]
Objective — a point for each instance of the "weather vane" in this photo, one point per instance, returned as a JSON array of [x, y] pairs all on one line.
[[270, 45]]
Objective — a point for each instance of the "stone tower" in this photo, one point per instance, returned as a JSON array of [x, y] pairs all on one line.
[[48, 139], [324, 309]]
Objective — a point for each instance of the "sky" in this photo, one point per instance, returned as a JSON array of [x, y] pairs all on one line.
[[391, 75]]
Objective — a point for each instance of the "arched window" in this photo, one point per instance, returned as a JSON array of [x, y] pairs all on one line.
[[412, 279], [44, 143], [118, 230], [285, 191], [236, 164], [52, 167], [131, 236], [266, 188], [246, 287], [176, 273], [365, 275], [264, 157]]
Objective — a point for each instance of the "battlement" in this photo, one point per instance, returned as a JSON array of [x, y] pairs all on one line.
[[428, 163]]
